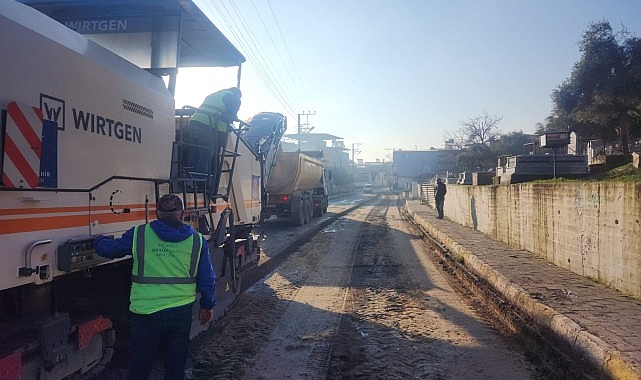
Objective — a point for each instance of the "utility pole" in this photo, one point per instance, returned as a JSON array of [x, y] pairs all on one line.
[[355, 151], [388, 155], [300, 126], [392, 179]]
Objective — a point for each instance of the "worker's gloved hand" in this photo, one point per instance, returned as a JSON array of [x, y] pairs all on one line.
[[205, 316]]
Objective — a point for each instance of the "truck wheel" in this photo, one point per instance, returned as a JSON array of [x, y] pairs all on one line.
[[300, 215], [310, 210]]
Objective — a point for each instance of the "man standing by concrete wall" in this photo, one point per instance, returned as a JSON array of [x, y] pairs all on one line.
[[439, 196]]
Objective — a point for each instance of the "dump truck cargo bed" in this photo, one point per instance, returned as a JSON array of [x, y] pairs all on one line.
[[294, 172]]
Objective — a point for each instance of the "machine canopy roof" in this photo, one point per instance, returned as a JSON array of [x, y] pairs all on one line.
[[150, 33]]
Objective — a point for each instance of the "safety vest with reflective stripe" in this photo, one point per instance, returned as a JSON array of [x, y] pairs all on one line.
[[164, 273], [211, 108]]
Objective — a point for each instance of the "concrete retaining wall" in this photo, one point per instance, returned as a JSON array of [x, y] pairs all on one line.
[[592, 228]]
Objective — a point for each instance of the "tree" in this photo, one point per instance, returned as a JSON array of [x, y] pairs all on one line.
[[474, 139], [602, 96], [512, 143], [482, 129], [541, 128], [458, 140], [477, 130]]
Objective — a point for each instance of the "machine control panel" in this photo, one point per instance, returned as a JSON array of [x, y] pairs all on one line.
[[78, 254]]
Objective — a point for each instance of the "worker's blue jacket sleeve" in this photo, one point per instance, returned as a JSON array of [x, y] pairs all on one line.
[[114, 248], [206, 278]]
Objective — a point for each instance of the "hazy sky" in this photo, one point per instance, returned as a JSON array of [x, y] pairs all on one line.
[[401, 74]]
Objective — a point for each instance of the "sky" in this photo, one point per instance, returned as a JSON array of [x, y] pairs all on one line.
[[385, 75]]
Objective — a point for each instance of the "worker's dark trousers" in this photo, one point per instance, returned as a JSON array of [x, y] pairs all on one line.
[[202, 140], [439, 206], [167, 331]]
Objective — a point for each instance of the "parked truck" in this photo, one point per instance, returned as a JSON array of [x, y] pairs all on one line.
[[320, 194], [89, 142], [296, 188], [294, 183]]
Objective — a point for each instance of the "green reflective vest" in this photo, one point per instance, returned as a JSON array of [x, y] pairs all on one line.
[[211, 109], [164, 273]]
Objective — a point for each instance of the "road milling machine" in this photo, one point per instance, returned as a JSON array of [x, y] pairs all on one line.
[[90, 140]]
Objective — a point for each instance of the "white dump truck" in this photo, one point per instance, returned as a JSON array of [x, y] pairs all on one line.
[[296, 188], [88, 143], [294, 184]]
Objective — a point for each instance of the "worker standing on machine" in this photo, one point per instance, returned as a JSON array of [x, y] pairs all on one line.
[[208, 128], [170, 263]]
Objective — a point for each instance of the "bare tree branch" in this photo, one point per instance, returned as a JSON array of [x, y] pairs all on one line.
[[481, 129], [459, 140]]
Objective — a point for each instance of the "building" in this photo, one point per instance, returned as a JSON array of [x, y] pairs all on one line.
[[378, 174], [416, 166], [335, 155]]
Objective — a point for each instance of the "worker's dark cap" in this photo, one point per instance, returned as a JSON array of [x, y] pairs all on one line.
[[170, 202]]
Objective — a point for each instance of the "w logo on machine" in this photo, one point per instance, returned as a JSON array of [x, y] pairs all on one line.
[[30, 156]]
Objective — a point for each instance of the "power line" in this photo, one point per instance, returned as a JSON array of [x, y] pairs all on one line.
[[300, 80], [276, 49], [243, 35], [265, 65]]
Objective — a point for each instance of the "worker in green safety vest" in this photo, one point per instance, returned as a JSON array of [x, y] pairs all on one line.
[[171, 262], [208, 128]]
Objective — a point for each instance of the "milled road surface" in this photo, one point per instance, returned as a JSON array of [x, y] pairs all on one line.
[[362, 299]]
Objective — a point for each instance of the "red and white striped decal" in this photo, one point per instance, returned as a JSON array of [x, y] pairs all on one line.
[[22, 146]]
